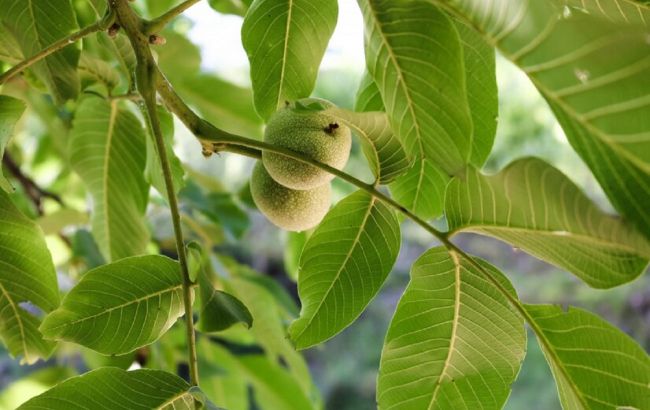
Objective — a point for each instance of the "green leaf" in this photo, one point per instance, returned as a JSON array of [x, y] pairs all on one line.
[[268, 323], [9, 50], [238, 7], [119, 307], [108, 149], [35, 25], [111, 388], [27, 281], [11, 109], [292, 250], [342, 267], [422, 189], [368, 96], [535, 207], [33, 384], [219, 207], [454, 341], [97, 70], [601, 102], [482, 94], [384, 151], [595, 365], [285, 41], [274, 388], [153, 170], [414, 54], [219, 310], [54, 222], [195, 260]]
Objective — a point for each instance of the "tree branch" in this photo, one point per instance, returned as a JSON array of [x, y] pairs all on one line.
[[99, 25], [160, 22], [31, 188], [146, 79]]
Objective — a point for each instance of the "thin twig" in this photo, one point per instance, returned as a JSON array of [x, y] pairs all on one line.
[[99, 25], [35, 193], [146, 72], [157, 24]]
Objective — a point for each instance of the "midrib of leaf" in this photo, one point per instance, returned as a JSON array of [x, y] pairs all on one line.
[[18, 319], [400, 77], [454, 327], [121, 306], [107, 159], [284, 53], [30, 7], [340, 270], [172, 400]]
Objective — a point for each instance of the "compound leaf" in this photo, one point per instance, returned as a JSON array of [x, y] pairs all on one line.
[[108, 151], [110, 388], [119, 307], [595, 365], [535, 207], [27, 281], [342, 267], [454, 342], [285, 41]]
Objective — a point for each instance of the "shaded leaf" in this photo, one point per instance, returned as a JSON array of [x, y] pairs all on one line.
[[219, 310], [11, 109], [119, 307], [225, 384], [111, 388], [535, 207], [422, 189], [384, 151], [292, 250], [342, 267], [414, 54], [53, 223], [601, 102], [238, 7], [35, 25], [482, 94], [285, 41], [96, 69], [107, 149], [454, 341], [595, 365], [368, 97], [27, 283]]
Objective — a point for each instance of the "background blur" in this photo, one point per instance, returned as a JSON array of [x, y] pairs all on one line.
[[345, 368]]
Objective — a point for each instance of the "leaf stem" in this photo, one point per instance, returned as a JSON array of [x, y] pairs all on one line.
[[214, 139], [146, 72], [99, 25], [160, 22]]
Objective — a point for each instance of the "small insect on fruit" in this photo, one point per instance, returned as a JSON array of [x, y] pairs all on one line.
[[317, 135], [293, 210]]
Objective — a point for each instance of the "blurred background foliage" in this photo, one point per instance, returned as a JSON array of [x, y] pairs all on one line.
[[204, 60]]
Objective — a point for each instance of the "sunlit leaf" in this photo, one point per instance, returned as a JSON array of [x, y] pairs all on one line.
[[11, 109], [27, 283], [119, 307], [595, 365], [537, 208], [600, 101], [285, 41], [342, 267], [292, 250], [414, 54], [108, 151], [454, 341], [238, 7], [35, 25], [110, 388], [368, 96]]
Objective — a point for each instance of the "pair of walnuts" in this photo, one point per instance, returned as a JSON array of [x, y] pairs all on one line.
[[294, 195]]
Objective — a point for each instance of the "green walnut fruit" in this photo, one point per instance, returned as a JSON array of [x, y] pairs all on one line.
[[316, 134], [290, 209]]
